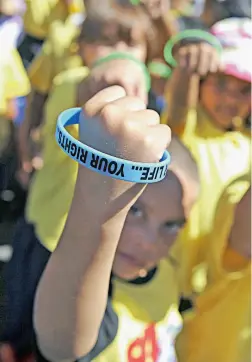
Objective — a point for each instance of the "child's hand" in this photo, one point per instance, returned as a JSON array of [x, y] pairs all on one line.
[[121, 126], [200, 58], [156, 8], [123, 72]]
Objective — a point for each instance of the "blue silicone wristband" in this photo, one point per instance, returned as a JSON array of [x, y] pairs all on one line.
[[102, 163]]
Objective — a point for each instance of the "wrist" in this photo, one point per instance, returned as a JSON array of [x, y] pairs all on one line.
[[186, 36], [104, 197]]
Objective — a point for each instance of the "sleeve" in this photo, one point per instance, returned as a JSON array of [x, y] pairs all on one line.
[[55, 56], [41, 69], [107, 333], [17, 82], [75, 6]]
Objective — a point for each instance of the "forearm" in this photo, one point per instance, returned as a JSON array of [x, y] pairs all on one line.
[[178, 98], [33, 117], [73, 291]]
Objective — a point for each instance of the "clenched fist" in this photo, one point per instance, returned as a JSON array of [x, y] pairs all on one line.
[[199, 58], [123, 72], [121, 126]]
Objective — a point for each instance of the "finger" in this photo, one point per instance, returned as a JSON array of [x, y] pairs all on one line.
[[129, 104], [182, 58], [37, 163], [221, 65], [146, 117], [115, 111], [163, 133], [204, 59], [193, 58], [215, 63], [129, 88], [121, 79], [99, 100]]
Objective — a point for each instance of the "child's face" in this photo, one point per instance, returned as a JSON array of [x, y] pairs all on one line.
[[151, 227], [92, 52], [225, 97]]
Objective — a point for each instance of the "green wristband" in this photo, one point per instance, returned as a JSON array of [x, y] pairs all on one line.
[[119, 55], [193, 33], [160, 69]]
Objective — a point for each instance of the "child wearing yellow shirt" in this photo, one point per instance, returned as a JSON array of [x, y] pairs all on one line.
[[214, 130], [38, 18], [52, 187], [137, 321], [219, 328], [58, 53], [13, 83]]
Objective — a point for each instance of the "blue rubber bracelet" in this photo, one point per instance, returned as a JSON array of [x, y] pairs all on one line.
[[102, 163]]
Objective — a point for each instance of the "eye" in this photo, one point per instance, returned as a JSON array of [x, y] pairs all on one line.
[[136, 211], [172, 227]]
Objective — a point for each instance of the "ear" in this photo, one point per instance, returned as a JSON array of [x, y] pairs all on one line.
[[240, 236]]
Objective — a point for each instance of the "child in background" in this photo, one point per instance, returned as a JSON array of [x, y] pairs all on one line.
[[139, 323], [38, 18], [58, 53], [61, 52], [13, 83], [219, 328], [213, 130], [48, 204]]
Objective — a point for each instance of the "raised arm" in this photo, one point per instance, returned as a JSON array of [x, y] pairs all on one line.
[[72, 295], [194, 61]]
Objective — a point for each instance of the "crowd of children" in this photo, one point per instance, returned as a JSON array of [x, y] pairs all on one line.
[[108, 270]]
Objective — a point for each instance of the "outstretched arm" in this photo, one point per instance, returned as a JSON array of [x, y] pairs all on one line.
[[72, 295]]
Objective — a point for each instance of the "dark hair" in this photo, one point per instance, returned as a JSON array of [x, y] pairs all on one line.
[[223, 9], [111, 21]]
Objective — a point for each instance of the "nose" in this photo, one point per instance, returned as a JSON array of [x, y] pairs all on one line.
[[148, 239], [121, 46]]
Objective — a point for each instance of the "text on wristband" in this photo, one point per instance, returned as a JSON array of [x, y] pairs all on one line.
[[103, 164]]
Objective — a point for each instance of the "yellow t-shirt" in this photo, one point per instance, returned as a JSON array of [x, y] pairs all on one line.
[[59, 53], [13, 79], [147, 313], [51, 190], [221, 157], [13, 83], [148, 319], [219, 329], [39, 15]]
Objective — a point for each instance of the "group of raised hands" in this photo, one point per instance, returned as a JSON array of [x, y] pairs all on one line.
[[194, 58]]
